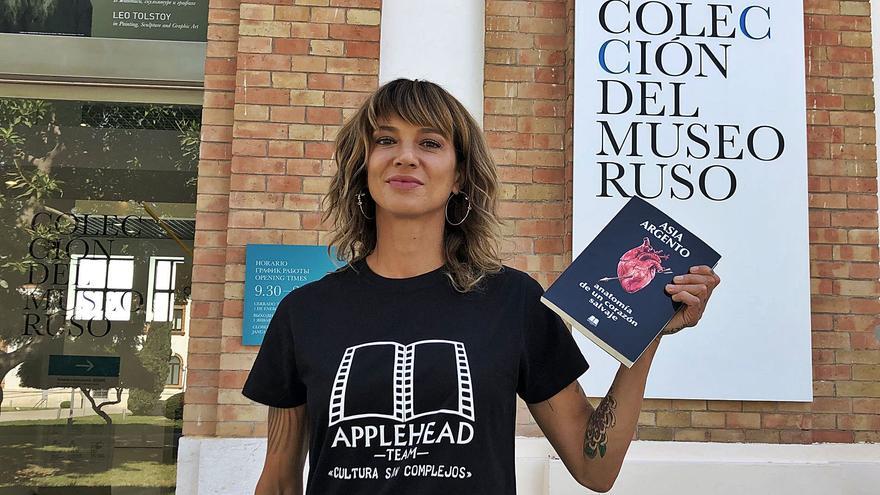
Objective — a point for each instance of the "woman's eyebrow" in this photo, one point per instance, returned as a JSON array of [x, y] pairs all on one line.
[[394, 129]]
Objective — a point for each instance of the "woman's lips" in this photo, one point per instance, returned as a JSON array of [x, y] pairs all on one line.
[[401, 184]]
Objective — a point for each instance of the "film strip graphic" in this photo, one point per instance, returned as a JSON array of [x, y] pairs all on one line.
[[404, 363]]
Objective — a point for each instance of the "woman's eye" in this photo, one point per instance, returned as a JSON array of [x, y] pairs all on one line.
[[382, 140]]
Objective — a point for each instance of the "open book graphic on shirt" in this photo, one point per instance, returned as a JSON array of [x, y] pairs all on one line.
[[402, 382]]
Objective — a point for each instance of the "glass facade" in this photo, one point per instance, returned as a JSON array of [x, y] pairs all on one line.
[[98, 217]]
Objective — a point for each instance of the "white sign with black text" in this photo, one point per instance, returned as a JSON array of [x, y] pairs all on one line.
[[699, 107]]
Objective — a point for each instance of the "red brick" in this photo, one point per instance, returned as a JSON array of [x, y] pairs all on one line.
[[286, 149], [308, 30], [324, 81], [832, 372], [263, 62], [249, 147], [284, 184], [254, 165], [362, 49], [832, 436], [365, 4], [317, 115], [319, 150], [247, 183], [262, 96], [288, 114], [354, 33], [291, 46]]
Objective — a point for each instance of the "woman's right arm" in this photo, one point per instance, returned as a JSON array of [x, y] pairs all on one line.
[[287, 445]]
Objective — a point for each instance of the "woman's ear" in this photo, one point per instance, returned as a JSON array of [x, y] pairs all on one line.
[[456, 187]]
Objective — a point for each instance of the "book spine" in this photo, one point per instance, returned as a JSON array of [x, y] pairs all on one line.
[[403, 382], [337, 396], [465, 392]]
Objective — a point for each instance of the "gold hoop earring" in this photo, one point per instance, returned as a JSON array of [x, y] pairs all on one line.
[[361, 206], [466, 213]]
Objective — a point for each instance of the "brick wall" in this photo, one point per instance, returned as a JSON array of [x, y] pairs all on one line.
[[212, 204], [281, 76]]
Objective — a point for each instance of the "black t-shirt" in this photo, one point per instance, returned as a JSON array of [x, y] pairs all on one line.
[[410, 385]]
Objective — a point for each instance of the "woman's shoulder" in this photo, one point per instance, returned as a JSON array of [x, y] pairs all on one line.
[[511, 277], [316, 291]]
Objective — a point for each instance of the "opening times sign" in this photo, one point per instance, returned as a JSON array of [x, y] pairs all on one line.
[[699, 107], [271, 272]]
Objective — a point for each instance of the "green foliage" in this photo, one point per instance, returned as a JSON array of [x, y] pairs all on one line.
[[143, 402], [28, 134], [154, 357], [19, 116], [37, 184], [190, 138], [31, 11], [65, 404], [174, 407]]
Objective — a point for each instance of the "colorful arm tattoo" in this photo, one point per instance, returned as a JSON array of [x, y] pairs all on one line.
[[596, 437]]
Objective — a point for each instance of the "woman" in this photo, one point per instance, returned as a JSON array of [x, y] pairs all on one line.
[[398, 372]]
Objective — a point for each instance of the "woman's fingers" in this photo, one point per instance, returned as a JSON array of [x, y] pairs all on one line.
[[693, 289], [710, 281], [700, 290], [687, 298], [708, 271]]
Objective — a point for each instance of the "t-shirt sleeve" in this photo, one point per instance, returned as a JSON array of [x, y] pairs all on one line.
[[550, 359], [273, 379]]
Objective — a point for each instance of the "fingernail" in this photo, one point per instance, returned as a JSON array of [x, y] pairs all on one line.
[[678, 278]]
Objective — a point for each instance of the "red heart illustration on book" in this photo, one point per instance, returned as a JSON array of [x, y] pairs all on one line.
[[639, 265]]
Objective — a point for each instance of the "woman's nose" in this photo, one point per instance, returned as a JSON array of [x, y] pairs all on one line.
[[406, 156]]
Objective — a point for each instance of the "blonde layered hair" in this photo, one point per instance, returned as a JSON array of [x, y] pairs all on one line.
[[470, 249]]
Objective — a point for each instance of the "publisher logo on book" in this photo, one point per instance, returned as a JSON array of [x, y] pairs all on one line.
[[593, 321]]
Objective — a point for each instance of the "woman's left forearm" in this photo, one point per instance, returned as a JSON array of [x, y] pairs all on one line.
[[609, 430]]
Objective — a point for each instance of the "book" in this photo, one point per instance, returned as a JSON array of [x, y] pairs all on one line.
[[614, 292], [402, 382]]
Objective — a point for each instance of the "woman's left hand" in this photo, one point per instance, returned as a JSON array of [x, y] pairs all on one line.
[[694, 290]]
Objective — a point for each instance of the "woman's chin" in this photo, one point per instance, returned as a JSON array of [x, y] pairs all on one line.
[[403, 212]]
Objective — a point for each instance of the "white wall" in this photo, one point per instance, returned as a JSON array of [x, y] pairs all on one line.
[[232, 466]]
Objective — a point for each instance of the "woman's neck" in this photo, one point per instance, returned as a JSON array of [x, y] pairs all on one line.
[[407, 247]]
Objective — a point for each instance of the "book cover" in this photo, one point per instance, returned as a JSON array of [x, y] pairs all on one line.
[[614, 291]]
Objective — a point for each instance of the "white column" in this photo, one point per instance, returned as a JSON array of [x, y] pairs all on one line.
[[437, 40]]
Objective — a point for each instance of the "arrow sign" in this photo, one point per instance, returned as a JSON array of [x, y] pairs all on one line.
[[75, 371], [89, 366]]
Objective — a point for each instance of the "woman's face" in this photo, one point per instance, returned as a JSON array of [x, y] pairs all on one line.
[[410, 170]]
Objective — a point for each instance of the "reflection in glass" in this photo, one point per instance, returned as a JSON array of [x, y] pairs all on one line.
[[173, 371], [100, 275], [162, 288], [94, 286]]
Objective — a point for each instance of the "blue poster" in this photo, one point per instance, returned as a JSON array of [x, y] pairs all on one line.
[[271, 272]]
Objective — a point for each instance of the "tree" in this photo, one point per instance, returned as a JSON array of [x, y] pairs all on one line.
[[154, 357], [56, 156], [26, 164]]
